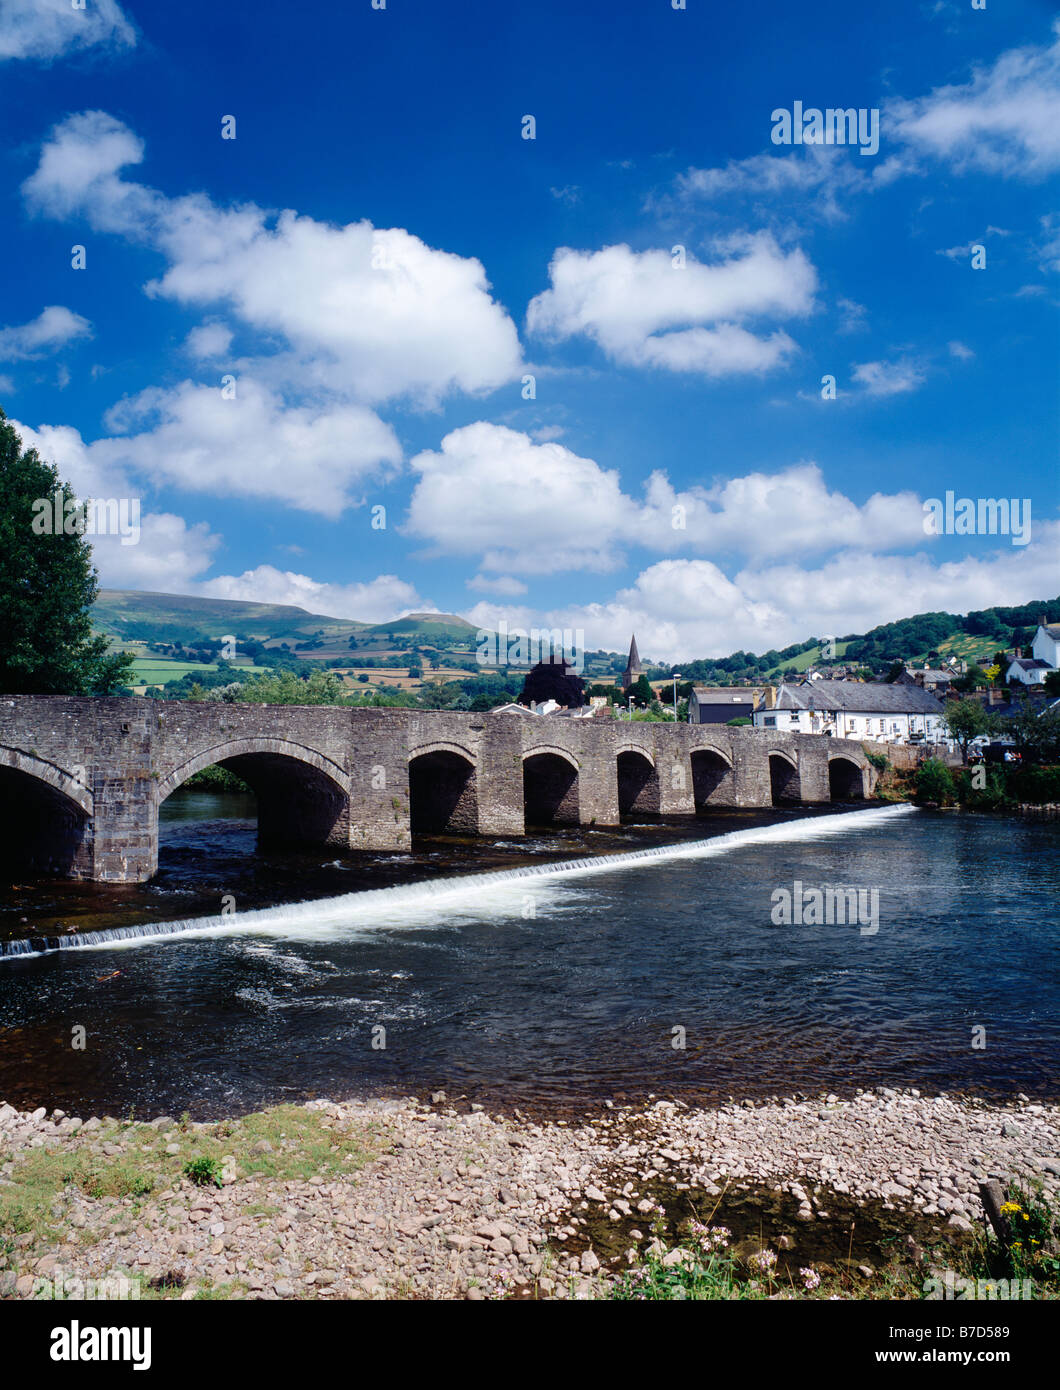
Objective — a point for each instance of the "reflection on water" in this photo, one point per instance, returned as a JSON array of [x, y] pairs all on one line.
[[550, 992]]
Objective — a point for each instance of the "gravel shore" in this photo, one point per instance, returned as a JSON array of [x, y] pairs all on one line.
[[447, 1201]]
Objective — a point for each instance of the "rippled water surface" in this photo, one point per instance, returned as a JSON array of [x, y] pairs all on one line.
[[546, 989]]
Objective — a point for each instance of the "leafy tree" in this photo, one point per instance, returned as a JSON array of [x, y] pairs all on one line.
[[975, 678], [1036, 730], [965, 720], [554, 680], [47, 588], [285, 688], [1052, 683], [641, 691]]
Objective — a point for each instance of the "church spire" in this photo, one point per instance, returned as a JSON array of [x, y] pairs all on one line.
[[633, 667]]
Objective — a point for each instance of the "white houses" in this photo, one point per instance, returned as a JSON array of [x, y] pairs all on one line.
[[1047, 644], [1044, 657], [1027, 670], [848, 709]]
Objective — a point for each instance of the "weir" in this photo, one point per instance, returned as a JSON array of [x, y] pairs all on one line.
[[382, 907], [96, 771]]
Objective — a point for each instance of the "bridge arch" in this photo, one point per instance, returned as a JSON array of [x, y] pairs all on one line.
[[441, 746], [713, 778], [638, 782], [555, 750], [45, 818], [550, 787], [846, 779], [303, 797], [784, 781], [443, 790]]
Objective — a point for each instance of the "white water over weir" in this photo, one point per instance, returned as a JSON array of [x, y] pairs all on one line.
[[419, 904]]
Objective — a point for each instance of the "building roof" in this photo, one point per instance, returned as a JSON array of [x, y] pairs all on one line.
[[726, 694], [1030, 664], [1053, 630], [929, 674], [856, 698]]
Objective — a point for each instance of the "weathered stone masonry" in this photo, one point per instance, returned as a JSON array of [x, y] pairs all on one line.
[[81, 780]]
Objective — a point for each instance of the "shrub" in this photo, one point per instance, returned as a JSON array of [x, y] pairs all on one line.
[[934, 783], [1037, 785], [203, 1171]]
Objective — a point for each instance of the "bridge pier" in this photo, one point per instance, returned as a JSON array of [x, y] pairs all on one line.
[[380, 816], [500, 797], [598, 789], [676, 783], [813, 770], [124, 830]]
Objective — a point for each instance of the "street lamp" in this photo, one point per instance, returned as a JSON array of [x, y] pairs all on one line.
[[677, 677]]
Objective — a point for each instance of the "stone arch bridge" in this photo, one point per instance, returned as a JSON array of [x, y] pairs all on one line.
[[81, 780]]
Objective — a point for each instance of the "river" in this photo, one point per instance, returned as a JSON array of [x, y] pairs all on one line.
[[555, 976]]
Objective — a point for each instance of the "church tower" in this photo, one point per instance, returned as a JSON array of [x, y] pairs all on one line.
[[633, 667]]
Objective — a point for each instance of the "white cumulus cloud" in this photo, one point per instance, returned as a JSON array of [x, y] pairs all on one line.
[[52, 329], [374, 601], [681, 609], [519, 506], [371, 313], [642, 310], [47, 29]]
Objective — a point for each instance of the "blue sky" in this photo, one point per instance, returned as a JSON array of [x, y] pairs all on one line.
[[379, 260]]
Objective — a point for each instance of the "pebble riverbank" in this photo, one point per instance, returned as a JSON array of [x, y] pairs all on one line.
[[447, 1201]]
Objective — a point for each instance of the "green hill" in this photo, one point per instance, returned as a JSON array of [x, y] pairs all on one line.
[[428, 625], [130, 615]]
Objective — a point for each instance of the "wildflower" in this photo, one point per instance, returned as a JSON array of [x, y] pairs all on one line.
[[810, 1278], [1008, 1207], [709, 1237], [764, 1260]]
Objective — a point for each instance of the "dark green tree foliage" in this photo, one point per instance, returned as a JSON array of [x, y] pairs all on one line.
[[641, 691], [47, 587], [554, 680], [967, 719]]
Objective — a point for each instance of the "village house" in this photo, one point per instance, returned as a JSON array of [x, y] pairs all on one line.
[[717, 704], [1027, 670], [1031, 668], [1047, 644], [935, 680], [898, 713]]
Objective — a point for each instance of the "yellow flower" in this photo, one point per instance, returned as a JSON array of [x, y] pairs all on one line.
[[1010, 1206]]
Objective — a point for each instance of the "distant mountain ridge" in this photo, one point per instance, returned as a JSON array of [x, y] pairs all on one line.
[[135, 615]]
